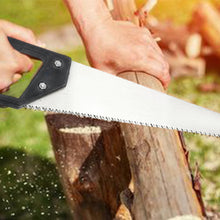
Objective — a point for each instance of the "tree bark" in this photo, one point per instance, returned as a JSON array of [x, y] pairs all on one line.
[[162, 179], [163, 185]]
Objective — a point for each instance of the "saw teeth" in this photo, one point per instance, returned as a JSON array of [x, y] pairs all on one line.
[[87, 115]]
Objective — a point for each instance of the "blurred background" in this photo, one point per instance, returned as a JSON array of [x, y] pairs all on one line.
[[29, 183]]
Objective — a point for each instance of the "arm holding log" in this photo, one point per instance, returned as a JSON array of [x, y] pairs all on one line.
[[116, 46]]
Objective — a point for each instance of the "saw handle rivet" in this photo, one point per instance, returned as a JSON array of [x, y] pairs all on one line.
[[42, 86], [58, 63]]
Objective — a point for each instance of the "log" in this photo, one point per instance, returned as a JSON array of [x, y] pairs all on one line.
[[93, 165], [206, 20], [122, 11], [182, 66], [169, 33], [162, 180]]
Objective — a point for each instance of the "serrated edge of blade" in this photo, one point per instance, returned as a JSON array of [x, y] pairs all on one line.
[[110, 119]]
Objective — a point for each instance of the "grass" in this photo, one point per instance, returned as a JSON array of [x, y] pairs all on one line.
[[25, 132], [38, 15], [25, 191], [187, 89], [203, 150]]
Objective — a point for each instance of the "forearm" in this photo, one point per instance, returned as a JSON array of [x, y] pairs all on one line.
[[87, 14]]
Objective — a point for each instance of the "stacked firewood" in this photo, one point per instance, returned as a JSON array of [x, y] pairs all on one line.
[[192, 48]]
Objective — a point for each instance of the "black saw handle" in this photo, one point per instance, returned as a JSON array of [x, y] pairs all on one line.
[[52, 76]]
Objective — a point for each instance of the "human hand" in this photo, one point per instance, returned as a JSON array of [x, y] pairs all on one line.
[[120, 46], [12, 63]]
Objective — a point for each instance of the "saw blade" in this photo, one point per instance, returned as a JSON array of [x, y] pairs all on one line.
[[96, 94]]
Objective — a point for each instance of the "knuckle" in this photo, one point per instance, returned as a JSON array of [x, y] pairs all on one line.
[[15, 65], [30, 34]]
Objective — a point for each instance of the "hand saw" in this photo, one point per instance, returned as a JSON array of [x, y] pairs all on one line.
[[64, 86]]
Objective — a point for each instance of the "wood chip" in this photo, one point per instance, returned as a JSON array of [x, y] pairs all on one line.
[[81, 130]]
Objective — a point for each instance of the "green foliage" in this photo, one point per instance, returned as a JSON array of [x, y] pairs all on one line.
[[187, 89], [24, 129]]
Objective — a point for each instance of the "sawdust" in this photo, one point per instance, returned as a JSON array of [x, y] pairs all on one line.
[[81, 130]]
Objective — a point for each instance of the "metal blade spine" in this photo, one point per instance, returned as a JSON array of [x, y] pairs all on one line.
[[88, 115]]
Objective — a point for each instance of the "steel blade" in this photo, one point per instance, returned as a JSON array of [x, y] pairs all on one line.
[[93, 93]]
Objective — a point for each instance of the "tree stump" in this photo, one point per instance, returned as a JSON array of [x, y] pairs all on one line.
[[92, 162]]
